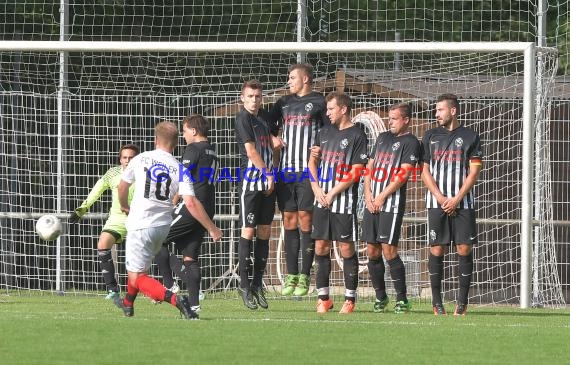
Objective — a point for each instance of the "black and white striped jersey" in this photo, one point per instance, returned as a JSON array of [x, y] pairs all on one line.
[[340, 149], [389, 153], [300, 117], [251, 128], [449, 154], [201, 162]]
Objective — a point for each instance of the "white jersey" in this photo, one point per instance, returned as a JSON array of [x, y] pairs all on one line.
[[156, 175]]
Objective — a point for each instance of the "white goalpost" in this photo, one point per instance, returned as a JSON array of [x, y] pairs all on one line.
[[72, 104]]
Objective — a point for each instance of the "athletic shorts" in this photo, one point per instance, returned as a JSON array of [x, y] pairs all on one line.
[[115, 225], [383, 227], [142, 245], [334, 226], [187, 235], [296, 195], [446, 230], [256, 208]]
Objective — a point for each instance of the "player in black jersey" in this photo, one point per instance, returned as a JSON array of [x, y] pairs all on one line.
[[300, 115], [392, 161], [256, 193], [343, 152], [451, 162], [186, 233]]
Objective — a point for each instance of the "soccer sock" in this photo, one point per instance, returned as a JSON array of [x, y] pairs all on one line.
[[131, 295], [435, 268], [162, 261], [323, 271], [307, 252], [260, 253], [376, 270], [465, 274], [350, 276], [191, 276], [108, 269], [292, 242], [152, 288], [244, 261], [398, 274]]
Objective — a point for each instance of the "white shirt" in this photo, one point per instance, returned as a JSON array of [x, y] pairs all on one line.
[[156, 178]]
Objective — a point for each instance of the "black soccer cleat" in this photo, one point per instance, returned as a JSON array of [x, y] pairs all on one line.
[[439, 310], [259, 296], [460, 309], [247, 298], [183, 305]]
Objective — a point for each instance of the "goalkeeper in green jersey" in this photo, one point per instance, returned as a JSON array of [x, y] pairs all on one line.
[[114, 230]]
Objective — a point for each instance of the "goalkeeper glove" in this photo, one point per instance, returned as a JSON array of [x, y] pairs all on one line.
[[77, 214]]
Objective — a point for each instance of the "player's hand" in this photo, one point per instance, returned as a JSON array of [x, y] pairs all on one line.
[[450, 206], [278, 142], [216, 234], [369, 203], [126, 209], [315, 152], [379, 202], [320, 196], [270, 187], [77, 215]]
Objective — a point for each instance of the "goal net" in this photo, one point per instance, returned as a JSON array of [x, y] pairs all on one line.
[[63, 117]]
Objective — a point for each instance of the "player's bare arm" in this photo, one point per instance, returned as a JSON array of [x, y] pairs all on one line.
[[343, 185], [431, 185], [451, 204], [317, 190], [398, 180], [123, 191], [197, 210], [257, 161], [368, 199]]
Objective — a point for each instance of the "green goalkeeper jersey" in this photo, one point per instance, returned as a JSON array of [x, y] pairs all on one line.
[[110, 180]]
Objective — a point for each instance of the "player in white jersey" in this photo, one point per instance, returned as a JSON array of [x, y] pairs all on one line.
[[156, 175], [114, 230]]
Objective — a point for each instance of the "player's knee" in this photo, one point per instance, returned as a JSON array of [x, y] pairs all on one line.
[[373, 251]]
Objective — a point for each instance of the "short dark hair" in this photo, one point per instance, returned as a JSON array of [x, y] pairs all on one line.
[[199, 123], [252, 84], [129, 146], [305, 68], [405, 109], [341, 98], [451, 101]]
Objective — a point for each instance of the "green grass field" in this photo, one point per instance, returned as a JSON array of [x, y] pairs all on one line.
[[90, 330]]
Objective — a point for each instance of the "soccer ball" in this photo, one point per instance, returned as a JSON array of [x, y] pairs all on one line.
[[48, 227]]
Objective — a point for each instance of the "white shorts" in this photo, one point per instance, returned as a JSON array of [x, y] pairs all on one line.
[[142, 245]]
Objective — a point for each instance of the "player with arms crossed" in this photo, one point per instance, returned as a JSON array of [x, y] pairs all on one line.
[[114, 230], [186, 233], [156, 177], [343, 152], [451, 162], [256, 193], [301, 114], [392, 161]]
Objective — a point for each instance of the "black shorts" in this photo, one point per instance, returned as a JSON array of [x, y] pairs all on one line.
[[295, 195], [255, 208], [334, 226], [446, 230], [383, 227], [187, 235]]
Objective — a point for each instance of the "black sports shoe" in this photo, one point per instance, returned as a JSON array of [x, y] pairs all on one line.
[[183, 305], [127, 311], [439, 310], [247, 298], [460, 309], [259, 295]]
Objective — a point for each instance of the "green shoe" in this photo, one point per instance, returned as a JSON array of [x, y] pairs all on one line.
[[402, 307], [302, 286], [380, 305], [290, 284]]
